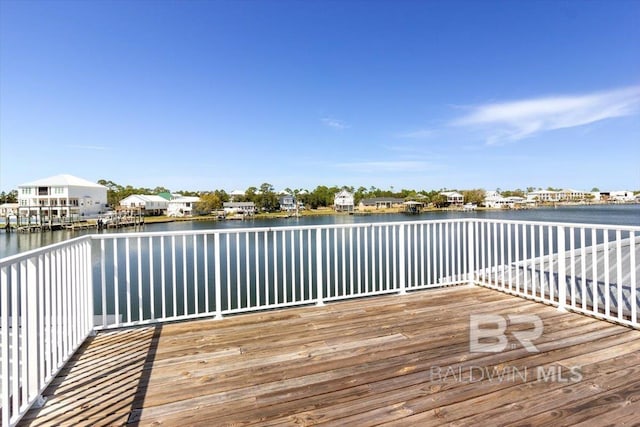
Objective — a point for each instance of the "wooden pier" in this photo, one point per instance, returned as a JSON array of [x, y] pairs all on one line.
[[390, 360]]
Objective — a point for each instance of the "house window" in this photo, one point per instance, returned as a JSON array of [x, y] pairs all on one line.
[[43, 191]]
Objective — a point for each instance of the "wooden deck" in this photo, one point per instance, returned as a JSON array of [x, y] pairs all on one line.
[[393, 360]]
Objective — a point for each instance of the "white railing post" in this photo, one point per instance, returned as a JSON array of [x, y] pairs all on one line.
[[319, 279], [562, 270], [401, 255], [31, 329], [218, 276], [471, 254], [89, 284]]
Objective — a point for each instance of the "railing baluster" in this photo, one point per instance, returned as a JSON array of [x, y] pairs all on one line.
[[632, 277], [103, 280], [594, 271], [541, 258], [572, 248], [275, 267], [620, 300], [237, 281], [257, 267], [552, 281], [228, 270], [162, 279], [205, 266], [247, 269], [359, 262], [116, 286], [174, 284], [583, 268], [217, 274], [196, 282], [267, 279], [366, 259], [128, 277], [562, 272], [293, 268], [185, 292], [319, 283], [139, 267]]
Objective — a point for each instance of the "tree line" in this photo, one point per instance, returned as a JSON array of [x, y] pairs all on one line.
[[266, 198]]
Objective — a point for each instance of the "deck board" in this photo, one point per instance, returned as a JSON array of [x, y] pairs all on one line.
[[361, 362]]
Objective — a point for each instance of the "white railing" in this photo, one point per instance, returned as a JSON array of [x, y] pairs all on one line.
[[51, 299], [151, 277], [46, 314], [591, 269]]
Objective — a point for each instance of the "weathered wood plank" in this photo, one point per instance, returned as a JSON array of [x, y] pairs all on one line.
[[358, 362]]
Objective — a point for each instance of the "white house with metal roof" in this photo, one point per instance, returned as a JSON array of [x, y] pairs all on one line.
[[62, 196], [182, 206], [453, 197], [343, 201], [149, 204]]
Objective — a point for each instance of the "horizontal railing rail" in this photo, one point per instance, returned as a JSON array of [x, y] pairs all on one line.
[[52, 298]]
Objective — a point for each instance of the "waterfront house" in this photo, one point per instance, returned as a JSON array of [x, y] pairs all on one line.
[[343, 201], [9, 209], [61, 196], [571, 195], [543, 196], [287, 203], [621, 196], [380, 203], [453, 198], [181, 206], [243, 208], [149, 204], [493, 199]]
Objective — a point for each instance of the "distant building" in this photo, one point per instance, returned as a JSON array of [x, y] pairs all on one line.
[[381, 203], [149, 204], [9, 209], [244, 208], [622, 196], [543, 196], [62, 196], [453, 197], [494, 200], [287, 203], [343, 201], [182, 206]]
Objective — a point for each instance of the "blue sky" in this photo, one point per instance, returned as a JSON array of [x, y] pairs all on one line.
[[201, 95]]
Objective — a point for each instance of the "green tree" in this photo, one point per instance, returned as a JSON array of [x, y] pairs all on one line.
[[209, 202], [475, 196], [11, 197], [267, 200], [439, 200]]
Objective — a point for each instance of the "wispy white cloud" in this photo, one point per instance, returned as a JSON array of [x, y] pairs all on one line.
[[514, 120], [418, 134], [88, 147], [387, 166], [334, 123]]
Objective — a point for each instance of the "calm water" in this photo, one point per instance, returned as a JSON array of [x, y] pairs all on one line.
[[14, 243]]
